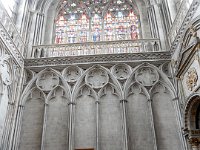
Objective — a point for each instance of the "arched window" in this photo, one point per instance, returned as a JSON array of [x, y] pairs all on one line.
[[197, 118], [96, 28], [72, 24], [96, 20], [120, 22]]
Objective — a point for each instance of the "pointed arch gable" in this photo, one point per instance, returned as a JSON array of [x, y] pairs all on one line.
[[126, 94], [116, 92], [164, 86], [93, 93], [162, 75], [192, 101], [33, 80], [78, 83], [25, 97], [55, 88]]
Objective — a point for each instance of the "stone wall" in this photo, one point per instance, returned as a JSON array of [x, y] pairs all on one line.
[[103, 107], [10, 88]]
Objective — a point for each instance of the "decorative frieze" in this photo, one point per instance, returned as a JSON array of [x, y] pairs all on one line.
[[128, 57], [10, 36]]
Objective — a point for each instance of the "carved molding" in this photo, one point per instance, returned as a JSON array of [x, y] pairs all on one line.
[[98, 58], [185, 24], [12, 49]]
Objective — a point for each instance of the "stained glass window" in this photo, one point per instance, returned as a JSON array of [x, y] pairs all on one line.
[[96, 28], [60, 30], [96, 20]]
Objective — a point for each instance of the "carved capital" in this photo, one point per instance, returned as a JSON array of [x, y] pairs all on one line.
[[97, 102], [149, 100], [71, 103], [123, 101], [21, 106], [46, 104], [11, 103]]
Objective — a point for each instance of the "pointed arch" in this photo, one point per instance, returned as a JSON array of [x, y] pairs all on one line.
[[115, 90], [163, 86], [164, 109], [162, 75], [85, 117], [52, 94], [29, 93], [32, 120], [110, 110], [114, 80], [36, 76], [86, 89], [138, 111], [190, 111], [57, 119], [130, 91]]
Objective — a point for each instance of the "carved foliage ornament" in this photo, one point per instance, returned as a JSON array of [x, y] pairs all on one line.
[[96, 78], [5, 70], [146, 76], [191, 79]]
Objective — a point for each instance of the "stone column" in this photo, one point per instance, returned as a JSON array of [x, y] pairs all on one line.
[[175, 102], [125, 137], [172, 9], [38, 29], [16, 139], [44, 126], [97, 125], [152, 21], [71, 126], [152, 124], [8, 125], [5, 97], [156, 24]]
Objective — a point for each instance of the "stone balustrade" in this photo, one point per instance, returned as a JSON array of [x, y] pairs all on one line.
[[7, 25], [95, 48]]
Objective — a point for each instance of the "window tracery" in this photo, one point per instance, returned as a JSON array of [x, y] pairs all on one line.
[[96, 20]]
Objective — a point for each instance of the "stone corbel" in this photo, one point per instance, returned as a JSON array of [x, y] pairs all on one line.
[[71, 103], [123, 101]]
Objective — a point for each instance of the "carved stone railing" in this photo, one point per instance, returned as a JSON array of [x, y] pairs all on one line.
[[95, 48], [7, 24]]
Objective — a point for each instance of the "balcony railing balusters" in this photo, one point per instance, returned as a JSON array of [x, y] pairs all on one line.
[[103, 47]]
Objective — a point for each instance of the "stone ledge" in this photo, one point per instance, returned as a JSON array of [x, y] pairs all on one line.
[[92, 59]]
